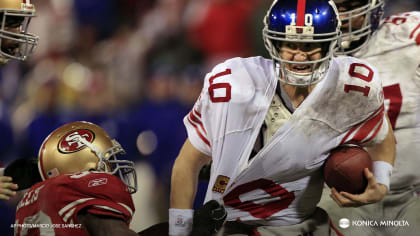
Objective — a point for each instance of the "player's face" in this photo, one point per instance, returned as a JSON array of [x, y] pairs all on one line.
[[300, 52], [10, 46], [356, 22]]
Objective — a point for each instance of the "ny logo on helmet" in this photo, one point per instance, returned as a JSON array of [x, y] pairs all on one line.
[[72, 141]]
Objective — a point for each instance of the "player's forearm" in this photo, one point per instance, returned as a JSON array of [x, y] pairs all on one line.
[[185, 176], [383, 156], [183, 184], [183, 188], [384, 151]]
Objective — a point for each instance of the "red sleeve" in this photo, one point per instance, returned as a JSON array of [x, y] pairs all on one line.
[[98, 193]]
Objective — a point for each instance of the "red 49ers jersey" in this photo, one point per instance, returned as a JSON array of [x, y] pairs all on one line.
[[282, 183], [51, 207]]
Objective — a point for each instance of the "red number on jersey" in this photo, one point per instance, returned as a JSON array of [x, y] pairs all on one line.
[[353, 73], [261, 211], [393, 93], [225, 86], [401, 19], [395, 20]]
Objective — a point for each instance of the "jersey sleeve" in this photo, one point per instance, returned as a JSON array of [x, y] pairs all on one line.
[[97, 193], [233, 93], [197, 133], [206, 115], [362, 87]]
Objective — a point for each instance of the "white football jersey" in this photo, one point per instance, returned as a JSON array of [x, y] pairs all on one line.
[[394, 50], [282, 183]]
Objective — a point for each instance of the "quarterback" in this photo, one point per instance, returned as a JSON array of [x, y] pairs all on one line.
[[269, 125], [15, 43], [392, 46]]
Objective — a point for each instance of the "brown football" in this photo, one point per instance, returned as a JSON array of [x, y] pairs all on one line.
[[344, 167]]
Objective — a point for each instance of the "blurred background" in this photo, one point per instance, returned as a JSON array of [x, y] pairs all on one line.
[[134, 67]]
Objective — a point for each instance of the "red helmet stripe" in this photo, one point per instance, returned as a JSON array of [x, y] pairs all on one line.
[[300, 18]]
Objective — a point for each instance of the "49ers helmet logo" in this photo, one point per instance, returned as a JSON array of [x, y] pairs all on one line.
[[27, 5], [71, 142]]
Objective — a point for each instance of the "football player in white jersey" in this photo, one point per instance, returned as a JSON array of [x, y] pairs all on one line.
[[269, 125], [15, 43], [392, 46]]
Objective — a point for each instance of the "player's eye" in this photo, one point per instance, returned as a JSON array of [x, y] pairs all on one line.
[[307, 47], [292, 46], [13, 21], [355, 4], [349, 5]]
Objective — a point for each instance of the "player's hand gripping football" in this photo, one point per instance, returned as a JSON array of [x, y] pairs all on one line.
[[374, 192], [7, 188], [208, 219]]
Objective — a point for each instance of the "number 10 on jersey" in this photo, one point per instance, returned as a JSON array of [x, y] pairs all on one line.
[[226, 86]]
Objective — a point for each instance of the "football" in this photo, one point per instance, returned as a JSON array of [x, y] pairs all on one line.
[[344, 169]]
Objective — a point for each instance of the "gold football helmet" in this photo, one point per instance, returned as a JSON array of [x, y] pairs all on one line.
[[15, 40], [83, 146]]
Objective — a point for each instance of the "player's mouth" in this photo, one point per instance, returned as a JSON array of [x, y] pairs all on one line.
[[13, 50], [300, 68]]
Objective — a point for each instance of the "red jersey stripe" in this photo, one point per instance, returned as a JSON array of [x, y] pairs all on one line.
[[199, 133], [376, 131], [378, 114], [367, 128], [197, 113], [348, 134], [196, 120]]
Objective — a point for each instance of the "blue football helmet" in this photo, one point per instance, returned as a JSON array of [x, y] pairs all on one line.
[[354, 38], [300, 21]]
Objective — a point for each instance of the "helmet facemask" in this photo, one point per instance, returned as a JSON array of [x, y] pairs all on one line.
[[15, 20], [318, 67], [273, 40], [122, 168], [108, 163], [355, 37]]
